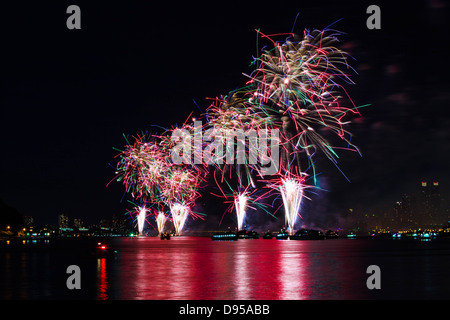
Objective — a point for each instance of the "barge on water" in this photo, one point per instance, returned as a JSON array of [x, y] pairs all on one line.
[[225, 236], [267, 235], [165, 236], [307, 234], [282, 235], [244, 234]]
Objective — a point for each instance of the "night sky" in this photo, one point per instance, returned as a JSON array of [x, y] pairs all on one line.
[[68, 96]]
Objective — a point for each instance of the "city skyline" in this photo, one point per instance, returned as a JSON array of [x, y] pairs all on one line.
[[422, 209]]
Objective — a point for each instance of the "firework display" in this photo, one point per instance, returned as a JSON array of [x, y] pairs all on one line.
[[291, 190], [141, 219], [296, 85], [148, 174], [295, 90], [141, 168], [226, 116], [240, 203], [161, 219], [179, 214]]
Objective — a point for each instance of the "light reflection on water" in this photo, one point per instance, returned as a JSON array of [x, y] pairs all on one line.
[[291, 270], [198, 268], [102, 279]]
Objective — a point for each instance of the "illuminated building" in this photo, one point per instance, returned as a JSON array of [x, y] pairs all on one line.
[[403, 213], [78, 223], [430, 204], [63, 221]]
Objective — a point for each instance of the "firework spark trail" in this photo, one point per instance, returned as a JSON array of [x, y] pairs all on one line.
[[240, 204], [232, 118], [295, 86], [179, 187], [141, 168], [141, 219], [161, 221], [180, 212], [179, 192], [148, 174], [292, 193]]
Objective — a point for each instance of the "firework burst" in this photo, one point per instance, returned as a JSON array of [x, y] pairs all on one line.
[[141, 168], [240, 204], [297, 87]]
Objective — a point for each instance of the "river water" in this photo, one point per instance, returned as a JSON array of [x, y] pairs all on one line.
[[197, 268]]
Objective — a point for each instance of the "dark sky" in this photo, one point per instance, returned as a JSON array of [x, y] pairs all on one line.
[[69, 95]]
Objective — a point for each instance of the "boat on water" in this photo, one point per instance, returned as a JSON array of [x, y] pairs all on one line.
[[165, 236], [422, 235], [225, 236], [233, 235], [103, 251], [307, 234], [282, 235], [267, 235], [244, 234], [351, 235], [330, 234]]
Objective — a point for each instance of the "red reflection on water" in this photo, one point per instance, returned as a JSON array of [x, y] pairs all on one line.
[[318, 270], [291, 275], [102, 279], [242, 272], [199, 268]]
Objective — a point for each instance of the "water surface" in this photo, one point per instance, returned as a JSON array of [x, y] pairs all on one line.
[[197, 268]]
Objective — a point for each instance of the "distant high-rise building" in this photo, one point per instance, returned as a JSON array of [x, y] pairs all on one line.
[[77, 222], [63, 221], [430, 204], [436, 204], [403, 213], [119, 224], [104, 223]]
